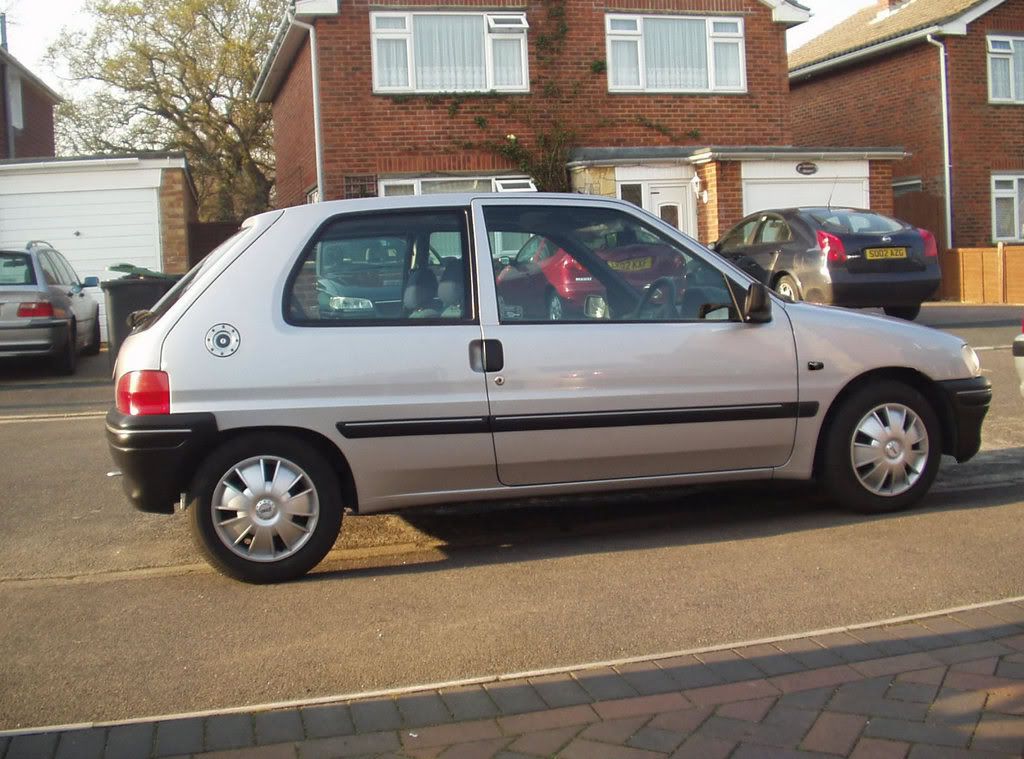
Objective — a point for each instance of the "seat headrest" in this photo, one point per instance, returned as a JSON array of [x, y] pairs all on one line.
[[420, 290], [452, 287]]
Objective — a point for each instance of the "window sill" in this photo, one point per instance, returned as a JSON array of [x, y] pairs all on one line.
[[447, 93], [701, 93]]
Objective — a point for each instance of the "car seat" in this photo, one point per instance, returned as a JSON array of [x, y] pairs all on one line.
[[420, 297], [451, 289]]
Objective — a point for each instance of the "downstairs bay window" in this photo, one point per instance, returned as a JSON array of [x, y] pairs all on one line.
[[1007, 208]]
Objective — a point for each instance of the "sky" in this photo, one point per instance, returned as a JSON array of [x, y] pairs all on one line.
[[33, 25]]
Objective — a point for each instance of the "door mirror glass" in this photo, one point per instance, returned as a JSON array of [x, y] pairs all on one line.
[[91, 282], [596, 307], [505, 260], [757, 307]]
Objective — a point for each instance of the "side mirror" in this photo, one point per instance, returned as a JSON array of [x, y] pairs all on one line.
[[91, 282], [135, 318], [505, 260], [757, 308], [595, 307]]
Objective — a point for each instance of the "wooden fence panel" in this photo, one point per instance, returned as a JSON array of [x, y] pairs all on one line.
[[984, 275], [1013, 267]]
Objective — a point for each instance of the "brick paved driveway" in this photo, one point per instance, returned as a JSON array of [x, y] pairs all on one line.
[[943, 686]]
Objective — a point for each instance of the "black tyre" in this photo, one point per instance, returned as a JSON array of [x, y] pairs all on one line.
[[882, 449], [266, 508], [67, 359], [787, 287], [94, 339], [903, 312]]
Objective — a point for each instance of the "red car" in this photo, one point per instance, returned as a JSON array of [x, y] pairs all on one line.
[[569, 282]]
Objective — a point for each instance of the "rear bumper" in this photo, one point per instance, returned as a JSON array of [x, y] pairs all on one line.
[[158, 455], [44, 337], [968, 401], [841, 288]]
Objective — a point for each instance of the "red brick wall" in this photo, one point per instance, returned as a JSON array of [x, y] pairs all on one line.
[[294, 140], [842, 108], [366, 134], [880, 186], [724, 182], [36, 139], [986, 137]]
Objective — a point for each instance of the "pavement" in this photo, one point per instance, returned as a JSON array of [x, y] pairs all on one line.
[[949, 684]]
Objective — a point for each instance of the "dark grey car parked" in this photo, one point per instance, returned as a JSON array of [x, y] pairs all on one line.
[[44, 310], [840, 256]]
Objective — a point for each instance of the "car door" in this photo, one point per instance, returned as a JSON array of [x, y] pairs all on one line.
[[647, 381], [771, 247], [81, 305]]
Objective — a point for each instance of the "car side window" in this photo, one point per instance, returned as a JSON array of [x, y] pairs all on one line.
[[740, 236], [384, 269], [774, 230], [72, 276], [604, 265], [50, 271]]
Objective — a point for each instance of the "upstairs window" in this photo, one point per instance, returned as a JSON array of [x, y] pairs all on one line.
[[1006, 69], [449, 52], [675, 54]]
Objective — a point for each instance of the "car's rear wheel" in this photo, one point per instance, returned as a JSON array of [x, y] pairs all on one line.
[[882, 449], [66, 361], [903, 312], [94, 339], [787, 287], [556, 307], [266, 508]]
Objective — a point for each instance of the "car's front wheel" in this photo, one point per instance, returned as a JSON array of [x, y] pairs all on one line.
[[882, 449], [787, 287], [266, 508], [903, 312]]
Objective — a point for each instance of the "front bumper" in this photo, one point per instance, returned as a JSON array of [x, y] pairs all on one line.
[[968, 401], [158, 455]]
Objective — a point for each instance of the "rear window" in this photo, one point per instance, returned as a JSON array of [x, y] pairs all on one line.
[[856, 222], [16, 269]]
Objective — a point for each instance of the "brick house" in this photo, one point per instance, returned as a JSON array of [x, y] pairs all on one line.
[[945, 79], [26, 118], [680, 106]]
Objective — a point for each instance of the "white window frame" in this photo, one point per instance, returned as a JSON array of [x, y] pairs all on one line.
[[1017, 194], [1007, 55], [498, 184], [711, 37], [497, 26]]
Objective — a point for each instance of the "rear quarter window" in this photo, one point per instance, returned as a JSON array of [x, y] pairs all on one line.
[[16, 269]]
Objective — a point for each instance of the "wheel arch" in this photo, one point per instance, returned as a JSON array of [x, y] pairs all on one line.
[[319, 442], [910, 377]]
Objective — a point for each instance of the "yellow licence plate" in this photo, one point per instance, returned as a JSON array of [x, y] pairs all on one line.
[[632, 264], [874, 254]]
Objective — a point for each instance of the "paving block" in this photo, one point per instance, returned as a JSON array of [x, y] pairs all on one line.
[[753, 710], [179, 736], [447, 735], [917, 732], [999, 732], [375, 716], [545, 742], [849, 648], [730, 666], [349, 745], [879, 748], [654, 739], [689, 672], [809, 653], [604, 684], [915, 692], [560, 690], [226, 731], [770, 660], [469, 702], [515, 697], [546, 720], [32, 746], [648, 679], [834, 733], [704, 747], [583, 749], [327, 721], [129, 741], [422, 709], [278, 727], [81, 744], [615, 731]]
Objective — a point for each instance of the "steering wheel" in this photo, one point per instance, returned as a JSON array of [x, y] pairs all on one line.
[[666, 310]]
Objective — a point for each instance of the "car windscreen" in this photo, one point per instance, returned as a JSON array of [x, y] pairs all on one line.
[[839, 221], [16, 269]]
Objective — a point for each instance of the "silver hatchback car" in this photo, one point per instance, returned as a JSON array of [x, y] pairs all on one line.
[[44, 309], [374, 355]]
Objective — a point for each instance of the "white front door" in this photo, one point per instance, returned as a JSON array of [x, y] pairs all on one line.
[[669, 202]]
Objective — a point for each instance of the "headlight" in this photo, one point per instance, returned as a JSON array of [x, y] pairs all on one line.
[[971, 360], [345, 303]]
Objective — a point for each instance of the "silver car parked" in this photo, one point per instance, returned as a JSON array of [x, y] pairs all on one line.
[[44, 309], [269, 404]]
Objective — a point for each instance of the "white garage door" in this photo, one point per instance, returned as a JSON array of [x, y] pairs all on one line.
[[94, 229], [778, 184]]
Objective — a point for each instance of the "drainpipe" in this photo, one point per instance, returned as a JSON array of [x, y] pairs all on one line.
[[314, 65], [4, 71], [945, 140]]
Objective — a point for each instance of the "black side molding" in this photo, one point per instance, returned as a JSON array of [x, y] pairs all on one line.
[[585, 420]]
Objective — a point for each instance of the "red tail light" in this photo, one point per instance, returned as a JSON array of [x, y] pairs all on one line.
[[832, 247], [576, 270], [931, 248], [35, 309], [143, 393]]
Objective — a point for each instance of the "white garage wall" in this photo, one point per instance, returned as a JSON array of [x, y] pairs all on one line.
[[97, 213], [777, 184]]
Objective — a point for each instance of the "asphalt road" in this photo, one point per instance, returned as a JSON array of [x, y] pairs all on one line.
[[110, 614]]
